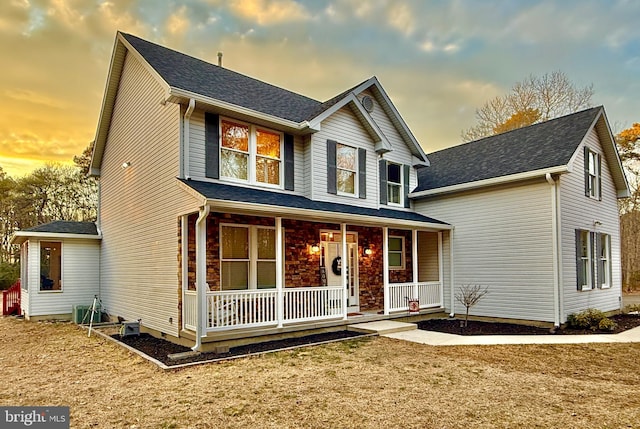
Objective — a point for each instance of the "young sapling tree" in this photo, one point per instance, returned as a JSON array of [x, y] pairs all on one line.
[[469, 296]]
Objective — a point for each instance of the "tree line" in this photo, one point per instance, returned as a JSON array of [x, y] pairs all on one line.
[[52, 192]]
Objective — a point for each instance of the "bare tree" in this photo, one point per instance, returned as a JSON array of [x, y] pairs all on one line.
[[469, 296], [534, 99]]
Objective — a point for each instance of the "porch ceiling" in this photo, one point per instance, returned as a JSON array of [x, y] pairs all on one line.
[[244, 199]]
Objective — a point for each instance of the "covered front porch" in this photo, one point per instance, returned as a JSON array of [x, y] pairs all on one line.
[[247, 268]]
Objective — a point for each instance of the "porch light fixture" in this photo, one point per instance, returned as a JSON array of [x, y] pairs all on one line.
[[126, 165], [368, 251], [315, 248]]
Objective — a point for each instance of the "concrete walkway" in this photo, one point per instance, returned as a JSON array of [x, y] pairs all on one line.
[[410, 332]]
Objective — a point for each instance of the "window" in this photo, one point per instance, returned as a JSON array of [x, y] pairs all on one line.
[[247, 257], [50, 266], [346, 166], [394, 183], [396, 253], [592, 174], [584, 260], [604, 261], [249, 153], [234, 151], [593, 260]]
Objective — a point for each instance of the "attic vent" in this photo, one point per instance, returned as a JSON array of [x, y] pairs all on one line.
[[367, 103]]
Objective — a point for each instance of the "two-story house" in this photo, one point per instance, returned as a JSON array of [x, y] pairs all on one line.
[[232, 210]]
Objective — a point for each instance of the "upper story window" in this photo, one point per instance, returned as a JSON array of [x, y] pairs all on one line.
[[346, 163], [250, 153], [394, 183], [346, 170], [592, 176]]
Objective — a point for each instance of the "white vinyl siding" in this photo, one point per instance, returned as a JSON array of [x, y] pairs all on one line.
[[581, 212], [428, 268], [346, 129], [503, 240], [140, 205], [400, 153], [80, 278]]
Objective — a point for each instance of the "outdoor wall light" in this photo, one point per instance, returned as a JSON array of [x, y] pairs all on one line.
[[126, 165], [368, 251], [315, 248]]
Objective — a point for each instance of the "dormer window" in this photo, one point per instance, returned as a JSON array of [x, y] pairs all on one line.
[[250, 154]]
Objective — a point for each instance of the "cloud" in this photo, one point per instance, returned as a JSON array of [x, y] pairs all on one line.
[[178, 23], [269, 12]]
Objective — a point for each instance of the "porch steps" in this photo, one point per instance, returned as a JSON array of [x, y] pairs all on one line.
[[382, 327]]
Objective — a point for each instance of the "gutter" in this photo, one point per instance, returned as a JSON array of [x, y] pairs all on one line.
[[490, 182], [181, 93], [556, 249], [240, 206], [187, 138], [201, 273]]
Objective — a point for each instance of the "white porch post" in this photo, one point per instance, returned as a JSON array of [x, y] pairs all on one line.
[[345, 259], [184, 243], [201, 275], [414, 262], [385, 267], [279, 272], [440, 269], [452, 275]]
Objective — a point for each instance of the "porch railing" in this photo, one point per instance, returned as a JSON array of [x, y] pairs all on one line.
[[189, 309], [257, 308], [427, 293], [11, 299]]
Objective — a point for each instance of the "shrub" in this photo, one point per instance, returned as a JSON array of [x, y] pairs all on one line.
[[631, 308], [9, 273], [590, 319], [607, 324]]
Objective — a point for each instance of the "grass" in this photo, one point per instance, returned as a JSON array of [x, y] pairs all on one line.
[[368, 383]]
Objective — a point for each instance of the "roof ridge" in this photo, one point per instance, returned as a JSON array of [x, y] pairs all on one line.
[[520, 129], [226, 70]]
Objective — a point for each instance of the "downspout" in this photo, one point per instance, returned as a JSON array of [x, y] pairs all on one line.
[[452, 275], [201, 273], [186, 138], [555, 236]]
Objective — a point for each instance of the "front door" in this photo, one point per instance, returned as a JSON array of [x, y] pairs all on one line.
[[334, 263]]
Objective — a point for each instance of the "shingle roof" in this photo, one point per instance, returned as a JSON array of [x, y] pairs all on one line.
[[219, 191], [536, 147], [197, 76], [66, 227]]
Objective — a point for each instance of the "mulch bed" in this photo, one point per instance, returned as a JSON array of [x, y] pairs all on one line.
[[452, 326], [159, 349]]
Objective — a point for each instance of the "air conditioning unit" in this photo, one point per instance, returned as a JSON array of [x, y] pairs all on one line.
[[82, 314], [130, 328]]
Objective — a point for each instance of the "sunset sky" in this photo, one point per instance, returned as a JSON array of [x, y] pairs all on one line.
[[438, 60]]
